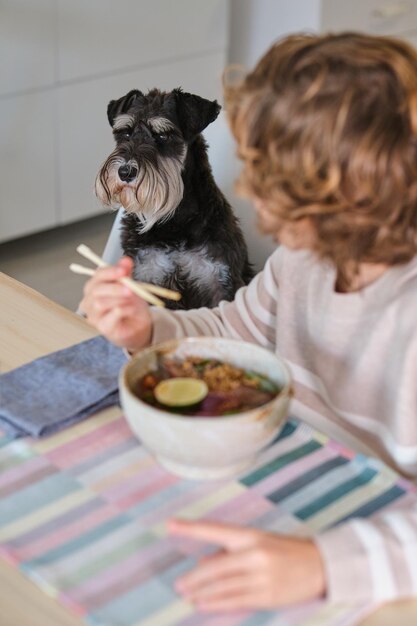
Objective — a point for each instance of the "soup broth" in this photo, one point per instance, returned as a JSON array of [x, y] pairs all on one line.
[[229, 389]]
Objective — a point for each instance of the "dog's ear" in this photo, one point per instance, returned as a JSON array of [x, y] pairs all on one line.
[[122, 105], [194, 113]]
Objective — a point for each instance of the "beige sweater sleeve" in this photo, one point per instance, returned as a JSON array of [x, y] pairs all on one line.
[[372, 559]]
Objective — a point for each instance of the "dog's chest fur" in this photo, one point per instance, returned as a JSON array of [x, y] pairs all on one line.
[[176, 267]]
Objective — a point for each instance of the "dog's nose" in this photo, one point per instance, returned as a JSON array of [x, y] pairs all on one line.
[[127, 172]]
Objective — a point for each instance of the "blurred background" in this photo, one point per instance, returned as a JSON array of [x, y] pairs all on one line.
[[62, 61]]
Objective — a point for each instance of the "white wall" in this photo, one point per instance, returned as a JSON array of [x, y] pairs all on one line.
[[254, 26]]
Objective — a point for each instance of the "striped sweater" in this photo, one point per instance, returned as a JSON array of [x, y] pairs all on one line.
[[353, 357]]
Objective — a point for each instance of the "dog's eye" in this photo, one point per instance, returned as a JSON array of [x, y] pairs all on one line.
[[123, 133], [161, 136]]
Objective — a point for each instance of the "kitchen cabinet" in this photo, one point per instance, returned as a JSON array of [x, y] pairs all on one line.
[[60, 64]]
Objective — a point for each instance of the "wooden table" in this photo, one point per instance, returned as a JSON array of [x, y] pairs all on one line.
[[32, 326]]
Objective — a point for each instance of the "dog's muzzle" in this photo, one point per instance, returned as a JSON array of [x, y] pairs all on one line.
[[151, 186]]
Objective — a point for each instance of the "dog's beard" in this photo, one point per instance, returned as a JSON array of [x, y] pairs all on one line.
[[153, 196]]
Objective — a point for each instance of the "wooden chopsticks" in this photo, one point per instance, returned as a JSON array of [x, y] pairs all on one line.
[[145, 290]]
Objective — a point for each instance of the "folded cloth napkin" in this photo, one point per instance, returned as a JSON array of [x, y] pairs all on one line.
[[60, 389]]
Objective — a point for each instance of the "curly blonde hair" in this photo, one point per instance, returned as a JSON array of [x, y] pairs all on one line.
[[327, 129]]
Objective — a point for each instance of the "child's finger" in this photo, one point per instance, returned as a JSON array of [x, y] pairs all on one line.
[[235, 602], [224, 589], [102, 306], [210, 557], [227, 535], [102, 296], [104, 274], [126, 263], [112, 290], [111, 320], [236, 563]]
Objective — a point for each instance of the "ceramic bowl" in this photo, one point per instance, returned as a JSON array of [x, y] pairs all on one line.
[[204, 448]]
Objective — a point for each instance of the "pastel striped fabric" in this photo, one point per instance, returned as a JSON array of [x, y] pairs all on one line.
[[83, 515]]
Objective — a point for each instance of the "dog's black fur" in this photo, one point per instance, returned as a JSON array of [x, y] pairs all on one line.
[[192, 241]]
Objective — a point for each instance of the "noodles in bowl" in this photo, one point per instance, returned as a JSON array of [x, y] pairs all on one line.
[[206, 387]]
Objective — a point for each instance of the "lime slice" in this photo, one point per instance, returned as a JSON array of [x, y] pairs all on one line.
[[180, 391]]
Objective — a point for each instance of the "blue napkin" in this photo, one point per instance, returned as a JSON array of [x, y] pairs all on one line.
[[60, 389]]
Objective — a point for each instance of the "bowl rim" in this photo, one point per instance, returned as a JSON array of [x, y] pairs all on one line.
[[286, 391]]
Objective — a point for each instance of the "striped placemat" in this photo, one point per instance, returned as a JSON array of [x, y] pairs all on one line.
[[82, 513]]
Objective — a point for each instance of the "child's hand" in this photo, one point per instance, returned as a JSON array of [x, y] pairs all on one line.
[[116, 312], [254, 570]]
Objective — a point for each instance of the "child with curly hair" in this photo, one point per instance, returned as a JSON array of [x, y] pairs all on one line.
[[326, 127]]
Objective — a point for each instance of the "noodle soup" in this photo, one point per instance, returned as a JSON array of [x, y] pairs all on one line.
[[224, 389]]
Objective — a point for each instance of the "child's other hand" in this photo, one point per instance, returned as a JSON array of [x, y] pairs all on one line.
[[254, 570], [116, 312]]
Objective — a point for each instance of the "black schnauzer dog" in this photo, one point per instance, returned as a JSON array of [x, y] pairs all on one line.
[[178, 227]]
